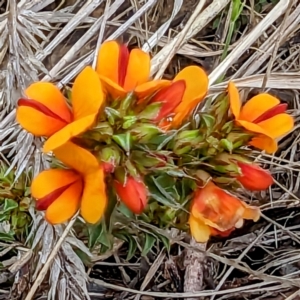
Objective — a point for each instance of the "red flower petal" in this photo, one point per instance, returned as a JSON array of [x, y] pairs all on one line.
[[123, 63]]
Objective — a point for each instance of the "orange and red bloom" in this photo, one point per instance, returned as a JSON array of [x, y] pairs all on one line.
[[181, 96], [123, 71], [253, 177], [216, 212], [262, 115], [61, 192], [133, 193], [45, 111]]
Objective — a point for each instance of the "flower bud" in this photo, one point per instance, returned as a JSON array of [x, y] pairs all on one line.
[[133, 193], [253, 177], [110, 158]]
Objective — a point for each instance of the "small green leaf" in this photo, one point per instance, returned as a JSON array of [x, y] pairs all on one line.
[[123, 209], [208, 120], [129, 121], [7, 237], [9, 205], [123, 140], [132, 247], [126, 103], [98, 234], [227, 145], [112, 115], [149, 243], [165, 241], [151, 111]]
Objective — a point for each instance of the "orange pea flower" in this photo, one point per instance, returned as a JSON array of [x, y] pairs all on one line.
[[216, 212], [133, 193], [45, 111], [122, 71], [253, 177], [179, 98], [263, 115], [61, 192]]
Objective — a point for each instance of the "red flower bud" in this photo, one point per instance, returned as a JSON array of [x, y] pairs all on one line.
[[133, 194], [253, 177]]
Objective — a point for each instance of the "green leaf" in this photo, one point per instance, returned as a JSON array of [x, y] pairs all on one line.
[[7, 237], [123, 209], [123, 140], [94, 233], [149, 243], [129, 121], [98, 233], [151, 111], [165, 241], [208, 120], [126, 103], [9, 205], [227, 145], [132, 245]]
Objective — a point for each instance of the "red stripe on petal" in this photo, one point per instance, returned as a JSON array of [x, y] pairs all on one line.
[[45, 202], [171, 97], [41, 108], [276, 110], [123, 63]]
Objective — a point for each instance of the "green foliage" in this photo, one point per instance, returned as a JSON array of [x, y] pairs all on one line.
[[14, 204]]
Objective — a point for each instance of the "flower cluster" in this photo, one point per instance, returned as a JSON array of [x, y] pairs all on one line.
[[116, 127]]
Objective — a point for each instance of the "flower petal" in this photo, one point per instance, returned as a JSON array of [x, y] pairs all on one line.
[[278, 125], [49, 180], [64, 207], [77, 158], [68, 132], [251, 212], [87, 95], [112, 88], [256, 128], [138, 69], [48, 94], [170, 97], [199, 230], [264, 142], [196, 82], [253, 177], [149, 88], [36, 122], [108, 61], [275, 110], [234, 100], [217, 208], [94, 200], [256, 106]]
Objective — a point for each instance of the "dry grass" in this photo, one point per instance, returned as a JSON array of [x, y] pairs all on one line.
[[54, 40]]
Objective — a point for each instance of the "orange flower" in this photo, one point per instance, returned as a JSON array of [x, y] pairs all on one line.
[[253, 177], [122, 71], [216, 212], [133, 193], [186, 90], [61, 192], [46, 113], [262, 114]]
